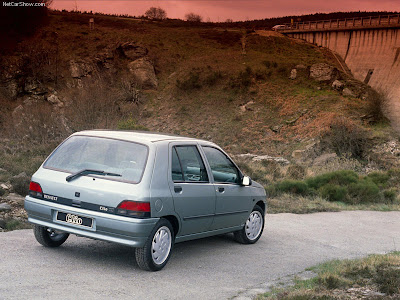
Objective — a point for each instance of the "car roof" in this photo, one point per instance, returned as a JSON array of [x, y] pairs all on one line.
[[137, 136]]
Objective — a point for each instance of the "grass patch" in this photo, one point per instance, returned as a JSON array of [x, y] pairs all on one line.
[[15, 224], [348, 279]]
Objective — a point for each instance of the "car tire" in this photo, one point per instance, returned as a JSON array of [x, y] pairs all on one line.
[[157, 250], [252, 229], [48, 237]]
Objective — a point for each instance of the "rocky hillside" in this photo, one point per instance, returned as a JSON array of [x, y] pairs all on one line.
[[251, 92], [284, 108]]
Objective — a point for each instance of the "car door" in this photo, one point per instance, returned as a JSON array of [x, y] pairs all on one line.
[[193, 194], [233, 201]]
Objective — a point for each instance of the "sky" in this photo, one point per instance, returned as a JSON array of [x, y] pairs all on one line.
[[220, 10]]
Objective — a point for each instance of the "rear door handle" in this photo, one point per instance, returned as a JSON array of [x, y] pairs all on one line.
[[221, 189], [177, 189]]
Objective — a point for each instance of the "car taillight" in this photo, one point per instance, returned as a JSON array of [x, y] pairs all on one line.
[[35, 190], [134, 209]]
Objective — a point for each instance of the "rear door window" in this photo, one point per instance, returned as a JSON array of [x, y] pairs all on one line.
[[187, 165]]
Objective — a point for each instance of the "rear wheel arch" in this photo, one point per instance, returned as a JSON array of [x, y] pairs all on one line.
[[174, 222]]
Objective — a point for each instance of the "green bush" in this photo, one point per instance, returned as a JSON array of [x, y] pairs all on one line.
[[388, 278], [390, 195], [333, 192], [292, 186], [343, 177], [379, 178], [130, 124], [364, 191]]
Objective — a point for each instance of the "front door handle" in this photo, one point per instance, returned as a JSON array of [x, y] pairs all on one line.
[[178, 189], [221, 189]]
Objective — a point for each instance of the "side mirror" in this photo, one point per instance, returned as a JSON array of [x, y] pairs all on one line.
[[246, 181]]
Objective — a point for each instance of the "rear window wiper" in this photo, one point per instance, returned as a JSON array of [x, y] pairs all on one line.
[[89, 171]]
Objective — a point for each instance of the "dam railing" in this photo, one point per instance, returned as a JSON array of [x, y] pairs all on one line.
[[386, 21]]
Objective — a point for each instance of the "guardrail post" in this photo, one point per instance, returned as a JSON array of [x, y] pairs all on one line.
[[388, 19], [354, 22], [379, 20], [370, 21], [337, 23], [345, 22]]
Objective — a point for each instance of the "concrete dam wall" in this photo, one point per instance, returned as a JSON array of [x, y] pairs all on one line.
[[372, 55]]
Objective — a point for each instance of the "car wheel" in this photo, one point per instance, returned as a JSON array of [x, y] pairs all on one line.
[[157, 250], [253, 228], [49, 237]]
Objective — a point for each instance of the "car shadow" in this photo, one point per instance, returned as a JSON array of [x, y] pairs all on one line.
[[110, 255]]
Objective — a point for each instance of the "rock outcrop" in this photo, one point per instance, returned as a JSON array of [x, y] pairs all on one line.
[[323, 72], [143, 73]]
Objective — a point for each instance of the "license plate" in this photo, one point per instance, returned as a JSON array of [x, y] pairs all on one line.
[[74, 219]]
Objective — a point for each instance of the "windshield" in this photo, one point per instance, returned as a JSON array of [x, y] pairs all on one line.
[[78, 153]]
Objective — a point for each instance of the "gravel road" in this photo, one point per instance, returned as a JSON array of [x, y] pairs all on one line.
[[212, 268]]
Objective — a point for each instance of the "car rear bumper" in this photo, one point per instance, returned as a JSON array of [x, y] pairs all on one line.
[[113, 228]]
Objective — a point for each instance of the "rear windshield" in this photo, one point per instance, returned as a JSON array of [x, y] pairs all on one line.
[[78, 153]]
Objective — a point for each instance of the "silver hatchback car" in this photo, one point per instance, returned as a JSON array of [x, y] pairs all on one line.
[[145, 190]]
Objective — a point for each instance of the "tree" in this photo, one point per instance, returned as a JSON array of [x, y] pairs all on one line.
[[229, 21], [156, 13], [192, 17]]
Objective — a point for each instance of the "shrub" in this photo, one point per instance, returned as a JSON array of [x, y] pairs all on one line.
[[346, 138], [266, 63], [212, 78], [388, 278], [190, 83], [20, 185], [292, 186], [245, 77], [390, 195], [260, 74], [343, 177], [379, 178], [283, 71], [130, 124], [296, 172], [364, 191], [375, 105], [332, 192]]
